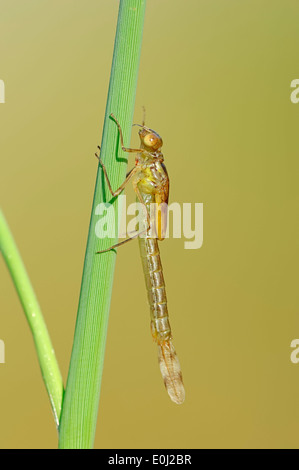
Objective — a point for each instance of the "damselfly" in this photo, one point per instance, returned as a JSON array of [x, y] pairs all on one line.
[[151, 185]]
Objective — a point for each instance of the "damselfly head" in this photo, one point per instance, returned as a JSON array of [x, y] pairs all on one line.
[[150, 139]]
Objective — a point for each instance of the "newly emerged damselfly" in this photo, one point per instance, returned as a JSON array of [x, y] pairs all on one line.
[[151, 185]]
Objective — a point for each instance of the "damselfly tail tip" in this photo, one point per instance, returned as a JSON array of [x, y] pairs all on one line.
[[171, 372]]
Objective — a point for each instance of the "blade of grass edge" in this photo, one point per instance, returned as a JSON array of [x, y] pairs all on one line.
[[81, 398], [45, 352]]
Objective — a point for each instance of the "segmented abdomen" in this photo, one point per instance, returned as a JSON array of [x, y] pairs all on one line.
[[160, 327], [155, 286]]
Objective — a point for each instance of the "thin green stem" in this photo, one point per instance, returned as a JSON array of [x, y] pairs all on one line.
[[81, 400], [45, 352]]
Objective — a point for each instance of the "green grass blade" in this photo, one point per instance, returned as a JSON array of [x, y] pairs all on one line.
[[80, 405], [44, 348]]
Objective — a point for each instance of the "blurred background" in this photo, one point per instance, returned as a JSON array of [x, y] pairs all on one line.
[[217, 89]]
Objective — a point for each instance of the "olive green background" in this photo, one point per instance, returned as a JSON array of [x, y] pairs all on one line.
[[215, 80]]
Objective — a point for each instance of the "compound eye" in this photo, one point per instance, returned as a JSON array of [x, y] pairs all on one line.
[[151, 140]]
